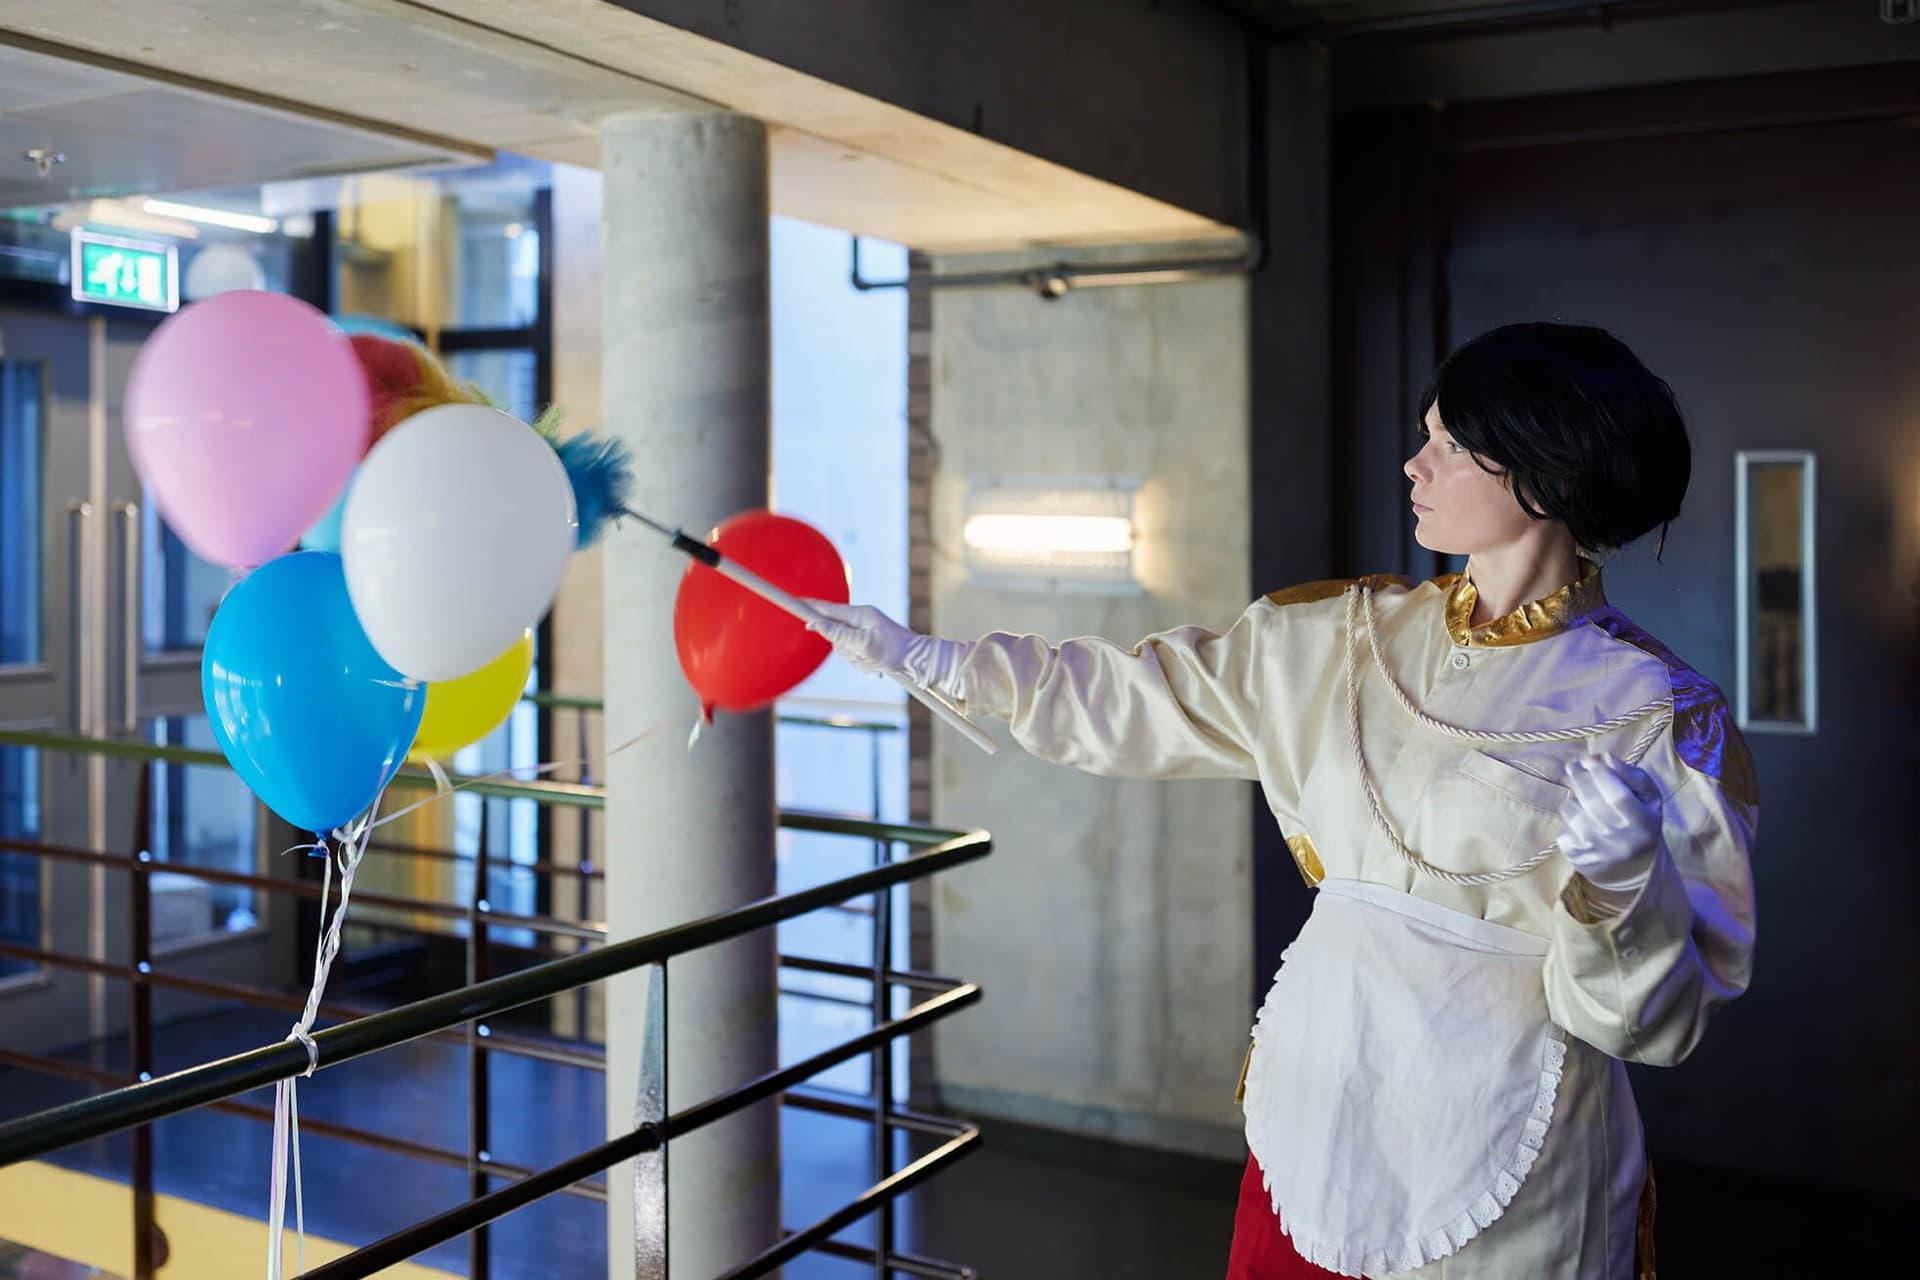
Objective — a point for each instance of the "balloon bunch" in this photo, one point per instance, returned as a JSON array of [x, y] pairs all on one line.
[[437, 526]]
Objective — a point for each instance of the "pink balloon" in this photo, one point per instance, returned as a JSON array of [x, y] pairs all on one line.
[[246, 415]]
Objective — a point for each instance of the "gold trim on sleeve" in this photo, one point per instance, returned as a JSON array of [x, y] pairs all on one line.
[[1327, 588], [1307, 858]]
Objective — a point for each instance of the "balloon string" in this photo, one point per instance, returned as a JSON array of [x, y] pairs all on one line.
[[514, 770], [286, 1099], [317, 847]]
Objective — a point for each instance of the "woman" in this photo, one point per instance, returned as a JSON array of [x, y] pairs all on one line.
[[1529, 823]]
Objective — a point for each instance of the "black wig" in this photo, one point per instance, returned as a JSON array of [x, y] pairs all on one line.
[[1588, 436]]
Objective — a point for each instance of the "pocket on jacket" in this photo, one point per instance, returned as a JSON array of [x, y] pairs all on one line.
[[1511, 780], [1480, 813]]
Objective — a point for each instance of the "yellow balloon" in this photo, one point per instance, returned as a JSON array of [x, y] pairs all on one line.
[[463, 711]]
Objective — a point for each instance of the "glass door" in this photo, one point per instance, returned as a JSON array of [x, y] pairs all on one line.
[[159, 600], [49, 532], [103, 612]]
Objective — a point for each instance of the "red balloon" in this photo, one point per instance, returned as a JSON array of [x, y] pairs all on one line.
[[738, 651]]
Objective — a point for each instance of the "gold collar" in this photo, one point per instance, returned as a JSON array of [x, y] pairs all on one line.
[[1536, 620]]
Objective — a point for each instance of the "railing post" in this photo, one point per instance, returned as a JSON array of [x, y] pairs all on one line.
[[583, 881], [882, 1012], [479, 1088], [148, 1253], [650, 1168]]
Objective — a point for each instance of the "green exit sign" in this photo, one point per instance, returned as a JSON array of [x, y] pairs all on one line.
[[125, 273]]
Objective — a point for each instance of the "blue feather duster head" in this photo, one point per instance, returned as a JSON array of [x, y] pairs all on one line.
[[601, 472]]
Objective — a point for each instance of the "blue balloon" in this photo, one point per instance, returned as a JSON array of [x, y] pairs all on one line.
[[379, 328], [325, 534], [308, 714]]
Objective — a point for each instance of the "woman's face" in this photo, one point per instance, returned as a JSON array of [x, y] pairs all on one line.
[[1460, 508]]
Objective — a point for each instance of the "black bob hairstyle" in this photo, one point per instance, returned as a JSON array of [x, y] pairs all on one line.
[[1587, 434]]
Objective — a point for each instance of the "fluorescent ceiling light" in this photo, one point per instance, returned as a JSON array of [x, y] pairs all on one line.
[[119, 213], [212, 217]]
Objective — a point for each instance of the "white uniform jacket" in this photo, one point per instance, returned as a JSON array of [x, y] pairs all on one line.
[[1267, 701]]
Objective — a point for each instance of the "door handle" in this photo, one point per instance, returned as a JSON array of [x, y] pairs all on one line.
[[128, 515], [79, 620]]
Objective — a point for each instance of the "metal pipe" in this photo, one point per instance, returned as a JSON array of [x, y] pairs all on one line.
[[882, 957], [140, 1025], [79, 619], [879, 1196], [60, 1068], [540, 865], [576, 702], [1057, 278], [128, 514], [30, 1136], [909, 1263], [911, 979], [558, 793], [308, 889], [479, 1126], [801, 1099], [584, 1057]]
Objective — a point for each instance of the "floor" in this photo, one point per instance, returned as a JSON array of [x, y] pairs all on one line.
[[1026, 1205]]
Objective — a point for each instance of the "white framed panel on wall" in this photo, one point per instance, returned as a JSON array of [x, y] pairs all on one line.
[[1775, 574]]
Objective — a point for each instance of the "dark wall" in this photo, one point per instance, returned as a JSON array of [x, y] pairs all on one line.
[[1768, 271], [1563, 49], [1291, 456], [1148, 94]]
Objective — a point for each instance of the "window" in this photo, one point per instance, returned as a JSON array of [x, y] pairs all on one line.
[[19, 872], [509, 377], [181, 591], [202, 816], [21, 516], [1774, 590]]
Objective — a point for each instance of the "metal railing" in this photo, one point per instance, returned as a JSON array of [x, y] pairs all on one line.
[[461, 1016]]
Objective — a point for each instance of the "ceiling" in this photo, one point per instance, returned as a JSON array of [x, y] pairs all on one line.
[[121, 134], [538, 78]]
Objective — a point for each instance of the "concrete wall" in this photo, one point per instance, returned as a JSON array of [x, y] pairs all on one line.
[[1111, 928], [576, 631]]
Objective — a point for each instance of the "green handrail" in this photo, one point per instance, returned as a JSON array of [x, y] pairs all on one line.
[[574, 702], [563, 794]]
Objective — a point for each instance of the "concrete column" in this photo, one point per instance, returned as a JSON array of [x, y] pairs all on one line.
[[686, 384]]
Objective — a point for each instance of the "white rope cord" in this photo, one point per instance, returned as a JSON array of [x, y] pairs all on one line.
[[1661, 709]]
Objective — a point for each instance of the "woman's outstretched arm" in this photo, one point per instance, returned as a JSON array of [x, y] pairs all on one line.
[[1182, 703], [1188, 702]]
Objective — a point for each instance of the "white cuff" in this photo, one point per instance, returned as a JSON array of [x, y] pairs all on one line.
[[935, 663]]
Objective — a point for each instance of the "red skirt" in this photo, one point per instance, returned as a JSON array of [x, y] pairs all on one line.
[[1261, 1250]]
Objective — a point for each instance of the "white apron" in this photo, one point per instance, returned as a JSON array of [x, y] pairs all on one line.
[[1406, 1076]]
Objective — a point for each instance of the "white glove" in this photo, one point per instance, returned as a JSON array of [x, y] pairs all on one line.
[[872, 641], [1611, 831]]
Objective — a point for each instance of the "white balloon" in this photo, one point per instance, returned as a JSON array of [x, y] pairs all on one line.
[[456, 532], [222, 268]]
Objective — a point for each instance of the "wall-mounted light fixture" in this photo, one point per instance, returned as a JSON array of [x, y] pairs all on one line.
[[1041, 535]]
